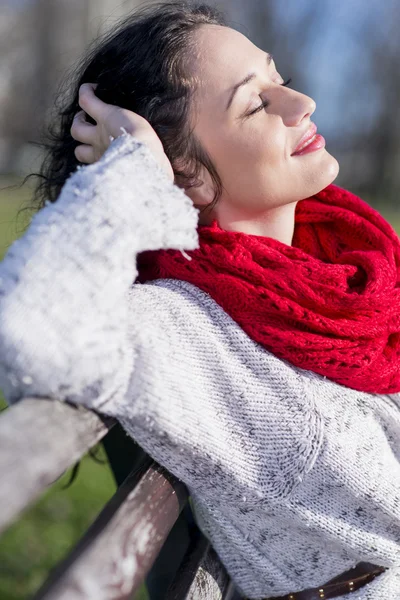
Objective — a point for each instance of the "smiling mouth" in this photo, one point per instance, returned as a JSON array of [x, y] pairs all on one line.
[[316, 142], [310, 141], [305, 138]]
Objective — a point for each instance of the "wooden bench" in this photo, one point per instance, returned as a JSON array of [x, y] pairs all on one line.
[[40, 439]]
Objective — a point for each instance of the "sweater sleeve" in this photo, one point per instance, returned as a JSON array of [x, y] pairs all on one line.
[[164, 358], [64, 285]]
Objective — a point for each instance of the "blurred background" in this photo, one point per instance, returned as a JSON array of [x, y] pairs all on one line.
[[343, 53]]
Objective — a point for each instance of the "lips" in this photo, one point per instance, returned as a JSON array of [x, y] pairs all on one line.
[[306, 139]]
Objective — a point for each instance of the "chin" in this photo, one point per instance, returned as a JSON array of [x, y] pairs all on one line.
[[334, 168], [327, 174]]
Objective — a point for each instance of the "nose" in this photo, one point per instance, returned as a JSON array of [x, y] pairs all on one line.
[[295, 107]]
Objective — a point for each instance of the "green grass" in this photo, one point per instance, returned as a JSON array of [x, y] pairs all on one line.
[[11, 200], [49, 529]]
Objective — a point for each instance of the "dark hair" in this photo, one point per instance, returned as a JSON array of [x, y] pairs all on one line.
[[139, 65]]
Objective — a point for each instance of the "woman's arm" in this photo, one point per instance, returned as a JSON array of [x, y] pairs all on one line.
[[163, 358], [64, 286], [180, 375]]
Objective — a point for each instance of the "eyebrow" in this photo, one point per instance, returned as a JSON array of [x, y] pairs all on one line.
[[245, 81]]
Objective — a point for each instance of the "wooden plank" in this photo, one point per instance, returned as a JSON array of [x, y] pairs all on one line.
[[124, 454], [201, 575], [39, 440], [112, 559], [186, 573], [211, 581]]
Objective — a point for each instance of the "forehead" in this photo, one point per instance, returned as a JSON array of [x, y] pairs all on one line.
[[222, 56]]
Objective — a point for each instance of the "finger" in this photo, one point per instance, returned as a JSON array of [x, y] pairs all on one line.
[[81, 130], [92, 105], [85, 154]]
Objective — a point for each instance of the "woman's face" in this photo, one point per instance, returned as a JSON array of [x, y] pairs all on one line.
[[252, 153]]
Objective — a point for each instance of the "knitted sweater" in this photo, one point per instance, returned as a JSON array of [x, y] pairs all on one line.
[[294, 478]]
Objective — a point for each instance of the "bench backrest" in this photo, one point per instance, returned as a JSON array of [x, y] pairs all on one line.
[[116, 553]]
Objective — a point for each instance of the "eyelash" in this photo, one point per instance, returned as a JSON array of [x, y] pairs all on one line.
[[265, 103]]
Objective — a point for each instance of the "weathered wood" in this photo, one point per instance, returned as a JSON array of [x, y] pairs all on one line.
[[39, 440], [186, 573], [212, 580], [124, 454], [201, 575], [112, 559]]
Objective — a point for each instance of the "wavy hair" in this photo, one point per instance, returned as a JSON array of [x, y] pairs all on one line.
[[139, 65]]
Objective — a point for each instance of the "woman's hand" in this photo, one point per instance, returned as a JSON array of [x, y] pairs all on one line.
[[95, 139]]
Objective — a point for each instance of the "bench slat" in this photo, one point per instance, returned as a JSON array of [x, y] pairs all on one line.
[[201, 575], [114, 556], [212, 580], [39, 440], [186, 573]]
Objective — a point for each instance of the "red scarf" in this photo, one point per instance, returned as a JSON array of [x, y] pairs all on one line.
[[330, 303]]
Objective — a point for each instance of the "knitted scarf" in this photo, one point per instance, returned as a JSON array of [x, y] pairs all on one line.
[[329, 303]]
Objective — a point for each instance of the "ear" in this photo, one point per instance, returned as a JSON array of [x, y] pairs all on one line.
[[202, 193]]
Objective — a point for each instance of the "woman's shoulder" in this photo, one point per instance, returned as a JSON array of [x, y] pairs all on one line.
[[164, 298], [183, 316], [192, 316]]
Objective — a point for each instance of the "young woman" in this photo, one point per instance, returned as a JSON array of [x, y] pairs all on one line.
[[203, 281]]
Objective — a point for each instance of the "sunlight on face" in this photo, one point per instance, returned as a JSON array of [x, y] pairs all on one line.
[[251, 130]]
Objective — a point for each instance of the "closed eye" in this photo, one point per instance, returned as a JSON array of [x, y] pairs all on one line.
[[265, 103]]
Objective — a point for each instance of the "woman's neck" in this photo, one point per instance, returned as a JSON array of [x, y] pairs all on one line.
[[277, 223]]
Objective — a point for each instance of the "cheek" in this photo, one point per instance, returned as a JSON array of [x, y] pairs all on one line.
[[248, 150], [252, 171]]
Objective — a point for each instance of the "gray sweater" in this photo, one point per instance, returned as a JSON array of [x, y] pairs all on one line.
[[294, 478]]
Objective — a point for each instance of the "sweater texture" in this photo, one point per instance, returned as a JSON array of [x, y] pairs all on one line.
[[294, 478], [328, 303]]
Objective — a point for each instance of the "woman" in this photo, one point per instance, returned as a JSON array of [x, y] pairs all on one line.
[[256, 355]]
